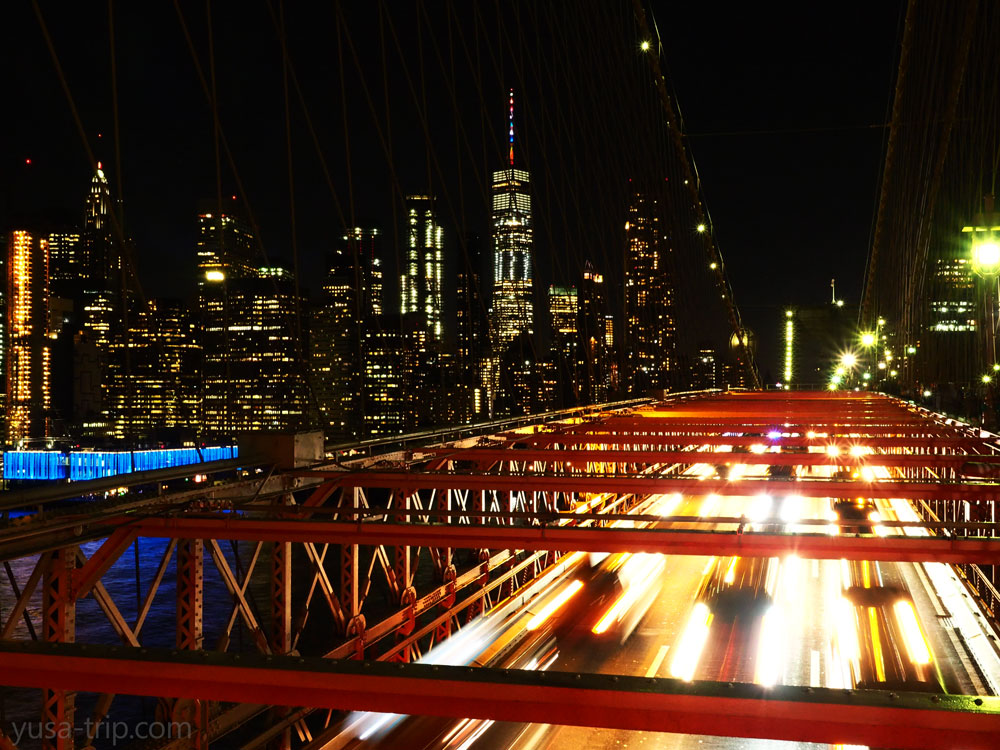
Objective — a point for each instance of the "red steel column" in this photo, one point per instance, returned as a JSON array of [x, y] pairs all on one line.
[[190, 714], [58, 626]]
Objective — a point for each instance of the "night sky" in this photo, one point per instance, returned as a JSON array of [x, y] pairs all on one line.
[[784, 110]]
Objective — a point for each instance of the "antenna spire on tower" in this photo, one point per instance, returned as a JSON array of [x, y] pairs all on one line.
[[511, 131]]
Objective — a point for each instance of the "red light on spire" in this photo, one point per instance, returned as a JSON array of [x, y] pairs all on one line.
[[234, 197], [99, 165], [27, 161]]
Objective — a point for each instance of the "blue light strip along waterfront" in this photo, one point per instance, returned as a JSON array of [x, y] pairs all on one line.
[[82, 465]]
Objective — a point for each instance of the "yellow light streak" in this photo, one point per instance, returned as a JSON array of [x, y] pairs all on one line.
[[549, 609], [876, 645], [913, 636], [708, 505], [731, 572], [692, 641]]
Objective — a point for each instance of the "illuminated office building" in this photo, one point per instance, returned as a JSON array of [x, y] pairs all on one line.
[[421, 290], [225, 246], [390, 359], [67, 262], [953, 305], [513, 308], [563, 314], [595, 376], [100, 258], [349, 305], [567, 362], [953, 320], [705, 369], [29, 352], [471, 335], [256, 381], [162, 385], [253, 372], [650, 329]]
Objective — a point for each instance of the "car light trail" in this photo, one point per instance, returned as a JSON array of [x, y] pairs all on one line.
[[708, 505], [771, 649], [549, 609], [916, 643], [692, 641]]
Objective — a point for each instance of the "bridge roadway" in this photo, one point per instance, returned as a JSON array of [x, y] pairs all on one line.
[[807, 596], [556, 469]]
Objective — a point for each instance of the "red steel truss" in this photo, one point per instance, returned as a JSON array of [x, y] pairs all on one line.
[[516, 500], [909, 720]]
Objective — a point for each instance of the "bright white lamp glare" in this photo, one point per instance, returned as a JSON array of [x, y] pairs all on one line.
[[867, 339], [645, 46]]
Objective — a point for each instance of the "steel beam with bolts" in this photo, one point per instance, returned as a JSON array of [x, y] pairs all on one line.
[[666, 541], [874, 718]]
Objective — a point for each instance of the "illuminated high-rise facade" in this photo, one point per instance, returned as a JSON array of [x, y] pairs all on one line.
[[351, 302], [472, 334], [67, 262], [596, 371], [513, 308], [253, 375], [650, 333], [421, 283], [253, 372], [225, 247], [100, 257], [162, 386], [29, 346], [564, 314]]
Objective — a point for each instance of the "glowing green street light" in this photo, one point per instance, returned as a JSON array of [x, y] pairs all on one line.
[[986, 256], [986, 379]]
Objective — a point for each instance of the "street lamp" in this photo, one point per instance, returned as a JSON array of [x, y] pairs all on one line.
[[868, 339], [985, 256], [985, 259]]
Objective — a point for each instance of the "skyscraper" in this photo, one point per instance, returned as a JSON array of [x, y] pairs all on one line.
[[421, 290], [253, 374], [101, 261], [67, 262], [29, 352], [650, 328], [513, 309], [954, 314], [225, 245], [390, 355], [592, 323], [162, 385], [472, 333], [350, 304]]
